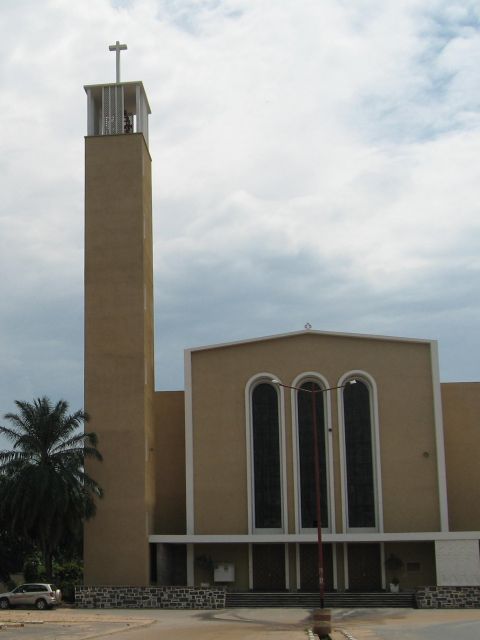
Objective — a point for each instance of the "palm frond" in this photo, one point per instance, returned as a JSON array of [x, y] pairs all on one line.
[[45, 492]]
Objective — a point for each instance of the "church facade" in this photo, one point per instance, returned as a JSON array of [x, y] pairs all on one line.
[[215, 484]]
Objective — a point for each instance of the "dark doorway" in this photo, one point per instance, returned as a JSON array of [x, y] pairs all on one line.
[[364, 567], [268, 567], [309, 567], [171, 564], [153, 564]]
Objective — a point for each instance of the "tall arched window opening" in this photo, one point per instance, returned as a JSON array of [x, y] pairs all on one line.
[[266, 458], [308, 509], [359, 456]]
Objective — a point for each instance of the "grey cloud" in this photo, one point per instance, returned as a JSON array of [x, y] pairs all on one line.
[[322, 170]]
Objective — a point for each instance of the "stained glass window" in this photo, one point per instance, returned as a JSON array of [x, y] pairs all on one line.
[[359, 456], [306, 455], [266, 457]]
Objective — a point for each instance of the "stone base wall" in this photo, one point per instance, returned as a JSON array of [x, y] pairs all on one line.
[[149, 598], [448, 597]]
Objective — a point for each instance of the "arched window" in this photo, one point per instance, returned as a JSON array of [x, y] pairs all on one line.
[[359, 456], [267, 490], [306, 458]]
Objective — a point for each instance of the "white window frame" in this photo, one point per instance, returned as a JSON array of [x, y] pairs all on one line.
[[369, 381], [255, 380], [318, 378]]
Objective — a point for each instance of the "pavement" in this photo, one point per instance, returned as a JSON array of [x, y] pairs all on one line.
[[406, 624], [236, 624]]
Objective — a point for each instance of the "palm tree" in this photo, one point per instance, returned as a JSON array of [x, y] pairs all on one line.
[[45, 493]]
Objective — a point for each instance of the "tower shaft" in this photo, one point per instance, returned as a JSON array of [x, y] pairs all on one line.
[[119, 362]]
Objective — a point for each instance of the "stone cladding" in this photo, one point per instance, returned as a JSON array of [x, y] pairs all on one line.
[[448, 597], [109, 597]]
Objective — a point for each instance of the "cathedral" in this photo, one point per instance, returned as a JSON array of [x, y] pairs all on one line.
[[217, 483]]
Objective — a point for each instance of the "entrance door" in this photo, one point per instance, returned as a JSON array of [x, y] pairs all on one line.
[[309, 567], [169, 564], [268, 567], [364, 567]]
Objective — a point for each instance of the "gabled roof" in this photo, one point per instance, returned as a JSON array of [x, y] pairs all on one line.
[[303, 332]]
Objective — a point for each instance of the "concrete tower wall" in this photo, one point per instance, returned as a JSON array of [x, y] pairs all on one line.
[[119, 370]]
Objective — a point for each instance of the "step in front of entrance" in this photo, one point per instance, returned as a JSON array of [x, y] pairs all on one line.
[[342, 600]]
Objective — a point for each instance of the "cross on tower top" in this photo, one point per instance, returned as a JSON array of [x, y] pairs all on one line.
[[117, 47]]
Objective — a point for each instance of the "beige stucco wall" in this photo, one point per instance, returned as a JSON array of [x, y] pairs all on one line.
[[170, 460], [421, 554], [461, 415], [403, 373], [119, 355]]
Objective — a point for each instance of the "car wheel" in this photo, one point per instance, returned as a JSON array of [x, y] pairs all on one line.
[[4, 603], [41, 604]]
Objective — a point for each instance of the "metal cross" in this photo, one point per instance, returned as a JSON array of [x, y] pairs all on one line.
[[117, 47]]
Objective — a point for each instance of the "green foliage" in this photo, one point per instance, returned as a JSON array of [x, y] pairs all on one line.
[[394, 565], [45, 494], [67, 573], [11, 555], [33, 569], [10, 584], [12, 550]]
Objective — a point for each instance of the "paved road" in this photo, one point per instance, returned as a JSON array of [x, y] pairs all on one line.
[[407, 624], [237, 624], [454, 630]]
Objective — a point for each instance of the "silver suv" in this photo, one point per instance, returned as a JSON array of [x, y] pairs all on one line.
[[42, 596]]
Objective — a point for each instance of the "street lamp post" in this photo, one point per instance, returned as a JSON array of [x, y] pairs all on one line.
[[313, 392]]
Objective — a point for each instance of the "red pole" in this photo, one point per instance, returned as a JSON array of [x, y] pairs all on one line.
[[321, 582]]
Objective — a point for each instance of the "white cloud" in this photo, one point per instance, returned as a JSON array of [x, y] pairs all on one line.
[[313, 161]]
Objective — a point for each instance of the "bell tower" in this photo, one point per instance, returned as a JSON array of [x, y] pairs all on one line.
[[119, 361]]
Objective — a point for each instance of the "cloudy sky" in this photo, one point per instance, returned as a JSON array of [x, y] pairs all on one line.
[[313, 161]]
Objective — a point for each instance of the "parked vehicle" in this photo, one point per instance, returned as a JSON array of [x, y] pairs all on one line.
[[41, 596]]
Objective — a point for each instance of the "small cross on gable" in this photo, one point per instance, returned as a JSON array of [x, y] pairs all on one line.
[[117, 47]]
